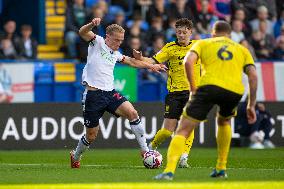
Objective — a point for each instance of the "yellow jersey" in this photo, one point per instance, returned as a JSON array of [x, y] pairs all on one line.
[[173, 54], [223, 62]]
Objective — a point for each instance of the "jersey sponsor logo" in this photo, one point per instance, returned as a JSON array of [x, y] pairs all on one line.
[[108, 56]]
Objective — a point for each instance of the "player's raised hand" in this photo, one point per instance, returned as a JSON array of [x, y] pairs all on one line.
[[137, 54], [251, 115], [96, 21]]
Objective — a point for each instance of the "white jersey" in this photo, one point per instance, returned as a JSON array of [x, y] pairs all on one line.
[[101, 60]]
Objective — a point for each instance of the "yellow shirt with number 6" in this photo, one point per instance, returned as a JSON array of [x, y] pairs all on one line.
[[223, 62]]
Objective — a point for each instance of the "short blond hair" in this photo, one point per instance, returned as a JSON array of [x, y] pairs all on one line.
[[114, 28]]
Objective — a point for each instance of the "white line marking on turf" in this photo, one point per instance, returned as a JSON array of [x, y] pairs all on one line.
[[134, 166]]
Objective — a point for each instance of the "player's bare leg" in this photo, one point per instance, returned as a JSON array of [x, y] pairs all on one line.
[[83, 145]]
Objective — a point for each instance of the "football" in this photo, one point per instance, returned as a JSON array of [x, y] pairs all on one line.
[[152, 159]]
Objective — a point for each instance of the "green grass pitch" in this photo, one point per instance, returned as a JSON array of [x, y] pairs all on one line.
[[122, 168]]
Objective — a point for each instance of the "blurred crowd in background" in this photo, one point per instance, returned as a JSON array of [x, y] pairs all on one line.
[[257, 24]]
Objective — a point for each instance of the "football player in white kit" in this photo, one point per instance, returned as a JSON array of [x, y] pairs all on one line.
[[100, 95]]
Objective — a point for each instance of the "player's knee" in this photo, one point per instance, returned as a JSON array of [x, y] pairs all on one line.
[[91, 135], [223, 121], [132, 114]]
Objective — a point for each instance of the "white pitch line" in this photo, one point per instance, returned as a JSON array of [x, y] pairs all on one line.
[[134, 166]]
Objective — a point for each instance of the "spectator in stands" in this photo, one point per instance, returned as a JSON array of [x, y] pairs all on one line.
[[127, 5], [27, 44], [279, 6], [263, 123], [237, 34], [133, 43], [102, 4], [136, 31], [222, 9], [271, 6], [7, 50], [180, 10], [156, 28], [251, 7], [195, 36], [137, 21], [198, 4], [170, 31], [157, 45], [120, 19], [240, 14], [262, 42], [76, 16], [204, 18], [279, 51], [9, 33], [158, 8], [278, 27], [97, 12], [262, 15], [281, 33], [246, 44]]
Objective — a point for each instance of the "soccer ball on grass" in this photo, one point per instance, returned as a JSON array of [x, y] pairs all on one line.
[[152, 159]]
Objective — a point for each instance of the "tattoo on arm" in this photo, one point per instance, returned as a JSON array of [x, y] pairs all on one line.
[[252, 79]]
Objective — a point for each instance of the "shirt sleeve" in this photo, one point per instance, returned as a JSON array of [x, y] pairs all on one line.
[[96, 40], [248, 59], [162, 55], [197, 48]]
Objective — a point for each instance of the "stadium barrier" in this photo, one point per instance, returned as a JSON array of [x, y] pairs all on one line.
[[59, 125], [52, 81]]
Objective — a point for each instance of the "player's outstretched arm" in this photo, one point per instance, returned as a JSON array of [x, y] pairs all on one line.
[[252, 79], [189, 61], [144, 64], [86, 31], [138, 55]]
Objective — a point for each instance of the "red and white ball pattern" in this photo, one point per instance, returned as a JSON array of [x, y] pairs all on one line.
[[152, 159]]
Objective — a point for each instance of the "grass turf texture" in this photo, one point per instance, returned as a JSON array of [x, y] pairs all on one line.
[[122, 168]]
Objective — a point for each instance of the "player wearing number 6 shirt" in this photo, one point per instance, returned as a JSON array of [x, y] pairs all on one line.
[[223, 63], [100, 95]]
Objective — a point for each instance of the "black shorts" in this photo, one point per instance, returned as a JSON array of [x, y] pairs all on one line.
[[95, 103], [209, 95], [174, 104]]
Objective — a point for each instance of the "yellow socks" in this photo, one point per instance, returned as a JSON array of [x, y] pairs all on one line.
[[175, 150], [160, 137], [188, 143], [224, 136]]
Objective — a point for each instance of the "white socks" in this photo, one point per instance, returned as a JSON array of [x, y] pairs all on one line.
[[82, 146], [139, 133]]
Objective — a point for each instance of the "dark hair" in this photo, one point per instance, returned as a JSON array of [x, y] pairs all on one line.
[[222, 27], [26, 27], [184, 22]]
